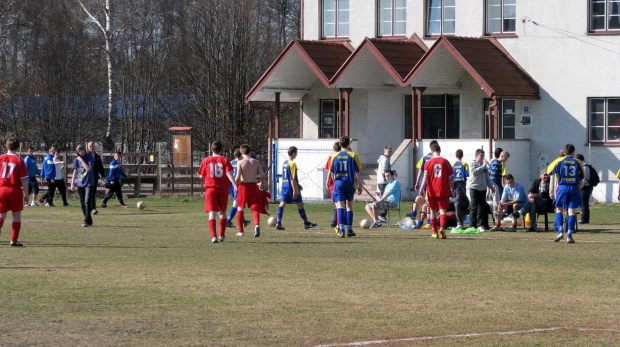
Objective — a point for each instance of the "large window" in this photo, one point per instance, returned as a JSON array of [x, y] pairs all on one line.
[[329, 119], [440, 17], [335, 18], [506, 120], [392, 17], [440, 116], [604, 119], [501, 17], [604, 15]]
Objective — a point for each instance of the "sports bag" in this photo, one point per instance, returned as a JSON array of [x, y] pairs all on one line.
[[594, 179]]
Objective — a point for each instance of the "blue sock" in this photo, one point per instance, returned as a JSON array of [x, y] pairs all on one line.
[[559, 221], [231, 214], [302, 214], [341, 219], [349, 220], [279, 214], [572, 219]]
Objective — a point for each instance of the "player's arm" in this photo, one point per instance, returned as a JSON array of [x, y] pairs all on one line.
[[451, 181], [359, 183], [72, 180], [260, 175], [231, 178], [423, 183]]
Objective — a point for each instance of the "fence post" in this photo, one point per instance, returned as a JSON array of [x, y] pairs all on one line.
[[138, 186], [159, 167]]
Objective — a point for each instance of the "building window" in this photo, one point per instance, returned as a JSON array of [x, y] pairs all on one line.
[[335, 18], [440, 17], [440, 116], [604, 15], [392, 17], [604, 119], [501, 16], [329, 119], [506, 121]]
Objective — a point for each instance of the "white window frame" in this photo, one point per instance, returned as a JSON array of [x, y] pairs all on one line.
[[443, 8], [395, 7], [605, 114], [608, 4], [341, 17], [506, 113], [502, 4]]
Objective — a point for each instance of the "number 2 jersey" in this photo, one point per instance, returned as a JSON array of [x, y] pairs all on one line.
[[12, 170], [438, 171], [344, 166], [213, 171]]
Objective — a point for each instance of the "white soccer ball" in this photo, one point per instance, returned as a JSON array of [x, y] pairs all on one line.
[[140, 205], [272, 221], [365, 223]]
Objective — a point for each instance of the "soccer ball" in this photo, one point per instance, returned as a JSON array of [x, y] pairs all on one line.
[[140, 205], [365, 223], [272, 221]]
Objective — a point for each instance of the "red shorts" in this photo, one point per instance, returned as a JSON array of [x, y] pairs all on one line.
[[248, 193], [11, 199], [216, 200], [443, 202]]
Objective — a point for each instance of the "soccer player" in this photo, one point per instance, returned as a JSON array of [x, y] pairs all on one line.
[[420, 200], [232, 192], [248, 189], [217, 175], [438, 174], [13, 188], [114, 177], [461, 169], [330, 187], [33, 171], [49, 173], [345, 167], [570, 173], [291, 191], [497, 171]]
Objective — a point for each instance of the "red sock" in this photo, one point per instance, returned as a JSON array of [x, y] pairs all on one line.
[[240, 219], [223, 223], [212, 227], [443, 220], [15, 228], [514, 225], [256, 217], [434, 225], [497, 224]]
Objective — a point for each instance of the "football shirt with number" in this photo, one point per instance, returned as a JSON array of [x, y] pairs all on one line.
[[438, 171], [12, 170], [213, 171], [461, 172], [289, 177], [344, 165], [568, 169]]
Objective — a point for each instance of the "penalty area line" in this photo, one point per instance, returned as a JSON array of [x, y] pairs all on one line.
[[426, 338]]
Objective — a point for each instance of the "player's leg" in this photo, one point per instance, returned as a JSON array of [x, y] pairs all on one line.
[[559, 213], [241, 203], [280, 212], [573, 203], [349, 216], [119, 193], [212, 225]]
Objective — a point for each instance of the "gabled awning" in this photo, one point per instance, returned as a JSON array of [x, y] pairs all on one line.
[[380, 63], [297, 68], [484, 59]]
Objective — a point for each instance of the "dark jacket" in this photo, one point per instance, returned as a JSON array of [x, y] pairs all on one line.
[[535, 188], [459, 195], [99, 170]]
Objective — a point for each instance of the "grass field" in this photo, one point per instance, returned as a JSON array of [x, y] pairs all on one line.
[[153, 278]]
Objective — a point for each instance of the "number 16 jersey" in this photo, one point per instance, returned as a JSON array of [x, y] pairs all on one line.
[[213, 171]]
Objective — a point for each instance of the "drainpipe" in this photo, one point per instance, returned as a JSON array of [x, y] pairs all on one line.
[[347, 103], [270, 156], [340, 115], [491, 125], [414, 125]]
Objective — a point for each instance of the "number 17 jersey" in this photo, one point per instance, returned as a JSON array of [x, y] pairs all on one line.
[[12, 170], [213, 171]]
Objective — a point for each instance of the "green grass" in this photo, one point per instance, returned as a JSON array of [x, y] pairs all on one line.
[[153, 278]]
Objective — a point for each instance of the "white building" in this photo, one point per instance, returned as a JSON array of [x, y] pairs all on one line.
[[403, 72]]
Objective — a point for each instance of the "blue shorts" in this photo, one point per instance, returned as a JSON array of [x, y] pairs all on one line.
[[343, 191], [289, 199], [231, 192], [568, 196]]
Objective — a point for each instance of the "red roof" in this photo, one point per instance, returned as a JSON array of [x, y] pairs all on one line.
[[328, 56], [489, 64], [401, 55]]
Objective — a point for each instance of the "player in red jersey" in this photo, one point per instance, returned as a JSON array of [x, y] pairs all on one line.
[[438, 179], [217, 176], [249, 179], [13, 188]]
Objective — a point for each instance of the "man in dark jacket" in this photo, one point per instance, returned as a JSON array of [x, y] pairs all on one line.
[[99, 172], [537, 199], [461, 203]]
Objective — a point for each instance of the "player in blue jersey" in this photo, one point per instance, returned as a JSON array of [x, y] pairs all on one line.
[[233, 193], [291, 191], [345, 167], [461, 169], [570, 174], [497, 171]]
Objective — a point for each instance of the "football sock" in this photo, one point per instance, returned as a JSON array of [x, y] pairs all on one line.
[[231, 214], [349, 222], [559, 221], [240, 220], [15, 228], [302, 214], [434, 225], [341, 219], [422, 217], [212, 227], [256, 217], [443, 220], [223, 223], [279, 214]]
